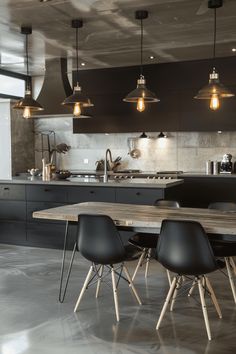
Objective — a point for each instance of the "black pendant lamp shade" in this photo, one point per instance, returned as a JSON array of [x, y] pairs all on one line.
[[141, 94], [28, 104], [78, 98], [214, 90], [143, 136]]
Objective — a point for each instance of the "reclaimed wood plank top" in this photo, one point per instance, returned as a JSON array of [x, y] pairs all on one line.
[[144, 216]]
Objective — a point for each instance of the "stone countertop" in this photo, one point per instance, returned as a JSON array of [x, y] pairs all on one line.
[[95, 182]]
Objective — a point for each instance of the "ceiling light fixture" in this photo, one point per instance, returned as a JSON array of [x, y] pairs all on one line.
[[78, 100], [161, 135], [233, 49], [151, 57], [215, 90], [141, 94], [28, 104], [143, 136]]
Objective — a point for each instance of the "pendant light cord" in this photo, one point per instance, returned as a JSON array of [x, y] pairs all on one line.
[[214, 43], [77, 56], [141, 50], [27, 62]]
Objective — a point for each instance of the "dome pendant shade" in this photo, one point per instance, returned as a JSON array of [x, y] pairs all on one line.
[[29, 102], [141, 92], [214, 88], [77, 97]]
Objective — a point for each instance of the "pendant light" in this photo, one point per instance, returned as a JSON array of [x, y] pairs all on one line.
[[143, 136], [141, 95], [161, 135], [28, 104], [215, 90], [77, 99]]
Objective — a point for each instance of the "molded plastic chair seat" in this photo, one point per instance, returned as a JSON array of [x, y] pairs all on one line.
[[132, 253], [183, 247]]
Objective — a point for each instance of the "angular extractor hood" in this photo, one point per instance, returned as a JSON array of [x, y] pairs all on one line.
[[55, 89]]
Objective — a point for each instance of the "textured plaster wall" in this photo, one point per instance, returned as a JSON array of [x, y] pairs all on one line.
[[181, 151]]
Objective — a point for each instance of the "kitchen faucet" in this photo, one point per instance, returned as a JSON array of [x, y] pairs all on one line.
[[108, 152]]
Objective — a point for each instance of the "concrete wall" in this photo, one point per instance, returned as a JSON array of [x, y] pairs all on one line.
[[180, 151]]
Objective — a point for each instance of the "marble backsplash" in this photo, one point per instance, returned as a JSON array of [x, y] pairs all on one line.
[[185, 151]]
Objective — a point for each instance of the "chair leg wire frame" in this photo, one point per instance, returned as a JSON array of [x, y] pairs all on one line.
[[100, 276], [204, 286]]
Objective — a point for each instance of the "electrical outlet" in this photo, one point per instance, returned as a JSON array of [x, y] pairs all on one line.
[[86, 161]]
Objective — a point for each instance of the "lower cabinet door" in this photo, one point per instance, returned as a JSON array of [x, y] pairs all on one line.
[[13, 232], [138, 195], [50, 235]]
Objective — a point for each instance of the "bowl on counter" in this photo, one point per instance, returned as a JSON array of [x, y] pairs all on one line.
[[62, 174]]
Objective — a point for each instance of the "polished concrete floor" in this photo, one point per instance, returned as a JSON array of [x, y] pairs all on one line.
[[33, 322]]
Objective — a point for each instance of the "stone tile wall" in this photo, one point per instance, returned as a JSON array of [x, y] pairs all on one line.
[[180, 151]]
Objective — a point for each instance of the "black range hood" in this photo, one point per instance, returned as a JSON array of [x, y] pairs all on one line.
[[55, 88]]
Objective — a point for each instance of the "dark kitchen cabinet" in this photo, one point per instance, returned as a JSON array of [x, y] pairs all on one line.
[[144, 196], [175, 84], [46, 193], [91, 194]]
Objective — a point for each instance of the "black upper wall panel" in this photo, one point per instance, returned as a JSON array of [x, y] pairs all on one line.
[[175, 84]]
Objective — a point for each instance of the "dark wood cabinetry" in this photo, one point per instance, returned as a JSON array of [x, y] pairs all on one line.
[[175, 84]]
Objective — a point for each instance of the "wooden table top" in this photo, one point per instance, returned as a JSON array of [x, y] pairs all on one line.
[[144, 217]]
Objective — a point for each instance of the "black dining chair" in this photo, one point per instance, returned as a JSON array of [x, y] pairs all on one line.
[[148, 241], [183, 248], [225, 245], [99, 242]]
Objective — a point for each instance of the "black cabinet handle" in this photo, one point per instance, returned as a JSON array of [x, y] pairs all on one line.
[[91, 192], [47, 190], [6, 188], [138, 193]]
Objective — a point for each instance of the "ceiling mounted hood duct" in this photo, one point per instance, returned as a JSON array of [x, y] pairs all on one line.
[[55, 88]]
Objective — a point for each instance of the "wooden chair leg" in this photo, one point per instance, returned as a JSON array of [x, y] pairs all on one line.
[[100, 273], [178, 285], [139, 264], [168, 277], [233, 264], [148, 261], [192, 287], [213, 297], [204, 309], [132, 285], [231, 280], [83, 288], [115, 294], [167, 300]]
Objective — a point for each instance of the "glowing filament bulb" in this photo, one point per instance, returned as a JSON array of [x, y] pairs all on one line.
[[26, 113], [77, 110], [214, 102], [140, 104]]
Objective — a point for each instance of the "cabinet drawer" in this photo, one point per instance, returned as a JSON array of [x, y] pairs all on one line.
[[91, 194], [35, 206], [12, 210], [12, 192], [13, 232], [138, 195], [46, 193]]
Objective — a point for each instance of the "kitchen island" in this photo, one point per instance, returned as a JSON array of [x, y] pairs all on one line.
[[20, 197]]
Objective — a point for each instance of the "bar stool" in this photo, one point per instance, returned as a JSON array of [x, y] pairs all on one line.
[[99, 241], [147, 241], [183, 248]]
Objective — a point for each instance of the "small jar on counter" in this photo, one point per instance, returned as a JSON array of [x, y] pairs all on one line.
[[209, 167], [216, 167]]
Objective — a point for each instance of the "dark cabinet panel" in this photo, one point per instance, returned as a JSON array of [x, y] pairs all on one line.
[[138, 195], [91, 194], [12, 191], [12, 210], [13, 232], [46, 193], [35, 206], [50, 235]]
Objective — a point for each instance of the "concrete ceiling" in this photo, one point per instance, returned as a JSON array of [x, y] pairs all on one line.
[[176, 30]]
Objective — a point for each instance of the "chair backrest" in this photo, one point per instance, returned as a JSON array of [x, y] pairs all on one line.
[[98, 239], [224, 206], [183, 248], [167, 203]]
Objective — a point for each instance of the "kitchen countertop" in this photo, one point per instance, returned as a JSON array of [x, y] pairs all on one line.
[[91, 181]]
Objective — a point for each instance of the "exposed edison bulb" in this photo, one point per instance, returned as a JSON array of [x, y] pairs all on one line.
[[26, 113], [214, 102], [141, 104], [77, 110]]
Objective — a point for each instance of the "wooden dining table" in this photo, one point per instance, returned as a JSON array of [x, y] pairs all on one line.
[[139, 218]]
